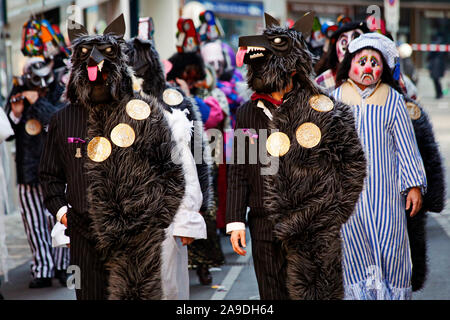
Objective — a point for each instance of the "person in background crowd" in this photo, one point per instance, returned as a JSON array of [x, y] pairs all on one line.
[[32, 101], [376, 251], [317, 39], [197, 80], [339, 41], [327, 29], [436, 65], [5, 132]]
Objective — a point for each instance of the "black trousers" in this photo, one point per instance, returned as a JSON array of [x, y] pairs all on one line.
[[93, 275], [437, 87], [270, 268]]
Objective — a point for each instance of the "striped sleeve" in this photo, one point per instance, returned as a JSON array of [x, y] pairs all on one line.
[[411, 164]]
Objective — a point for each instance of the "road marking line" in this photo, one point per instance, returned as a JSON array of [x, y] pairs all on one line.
[[443, 220], [232, 275]]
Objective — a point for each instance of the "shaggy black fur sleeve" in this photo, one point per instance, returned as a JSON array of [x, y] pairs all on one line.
[[434, 199]]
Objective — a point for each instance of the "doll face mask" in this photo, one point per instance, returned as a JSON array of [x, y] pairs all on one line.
[[212, 54], [366, 68], [344, 40]]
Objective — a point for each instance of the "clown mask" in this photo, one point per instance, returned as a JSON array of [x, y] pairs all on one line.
[[344, 40], [366, 68]]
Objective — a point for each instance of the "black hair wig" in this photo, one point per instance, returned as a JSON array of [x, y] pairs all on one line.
[[182, 60]]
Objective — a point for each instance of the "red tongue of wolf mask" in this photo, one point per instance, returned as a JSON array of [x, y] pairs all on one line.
[[273, 56]]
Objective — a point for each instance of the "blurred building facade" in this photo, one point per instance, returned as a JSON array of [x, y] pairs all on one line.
[[420, 21]]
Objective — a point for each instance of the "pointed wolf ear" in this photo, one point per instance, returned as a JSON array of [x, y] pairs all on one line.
[[117, 27], [75, 30], [305, 24], [270, 21]]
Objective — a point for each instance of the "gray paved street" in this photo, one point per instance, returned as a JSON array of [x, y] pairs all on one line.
[[236, 279]]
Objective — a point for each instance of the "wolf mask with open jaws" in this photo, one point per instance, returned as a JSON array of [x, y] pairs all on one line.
[[275, 55], [99, 61]]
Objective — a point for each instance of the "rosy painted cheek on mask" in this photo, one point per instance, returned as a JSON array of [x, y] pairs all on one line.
[[355, 73], [378, 73]]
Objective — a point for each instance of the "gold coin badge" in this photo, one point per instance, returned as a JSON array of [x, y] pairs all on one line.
[[308, 135], [123, 135], [321, 103], [413, 110], [172, 97], [33, 127], [99, 149], [138, 109], [278, 144]]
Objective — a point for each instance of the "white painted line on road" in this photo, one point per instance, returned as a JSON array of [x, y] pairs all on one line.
[[443, 105], [443, 220], [232, 275]]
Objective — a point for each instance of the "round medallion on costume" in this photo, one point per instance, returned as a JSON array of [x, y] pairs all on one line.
[[413, 110], [99, 149], [138, 109], [322, 103], [308, 135], [33, 127], [123, 135], [172, 97], [278, 144]]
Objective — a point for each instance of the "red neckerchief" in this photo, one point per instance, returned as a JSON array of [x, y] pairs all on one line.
[[266, 97]]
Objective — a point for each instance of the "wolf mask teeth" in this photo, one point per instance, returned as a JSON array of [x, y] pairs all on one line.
[[280, 45]]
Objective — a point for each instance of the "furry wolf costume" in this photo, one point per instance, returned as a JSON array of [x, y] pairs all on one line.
[[134, 193], [317, 186], [433, 200]]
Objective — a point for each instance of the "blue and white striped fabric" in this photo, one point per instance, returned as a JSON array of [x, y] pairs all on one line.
[[376, 254]]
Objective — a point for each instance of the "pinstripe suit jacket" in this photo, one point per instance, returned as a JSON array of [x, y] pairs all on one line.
[[60, 167], [245, 183]]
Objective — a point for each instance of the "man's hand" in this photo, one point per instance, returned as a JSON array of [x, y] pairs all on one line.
[[31, 96], [186, 240], [237, 235], [18, 106], [415, 198], [64, 220]]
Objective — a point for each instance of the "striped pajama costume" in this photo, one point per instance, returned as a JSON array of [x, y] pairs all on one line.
[[376, 253], [38, 224]]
